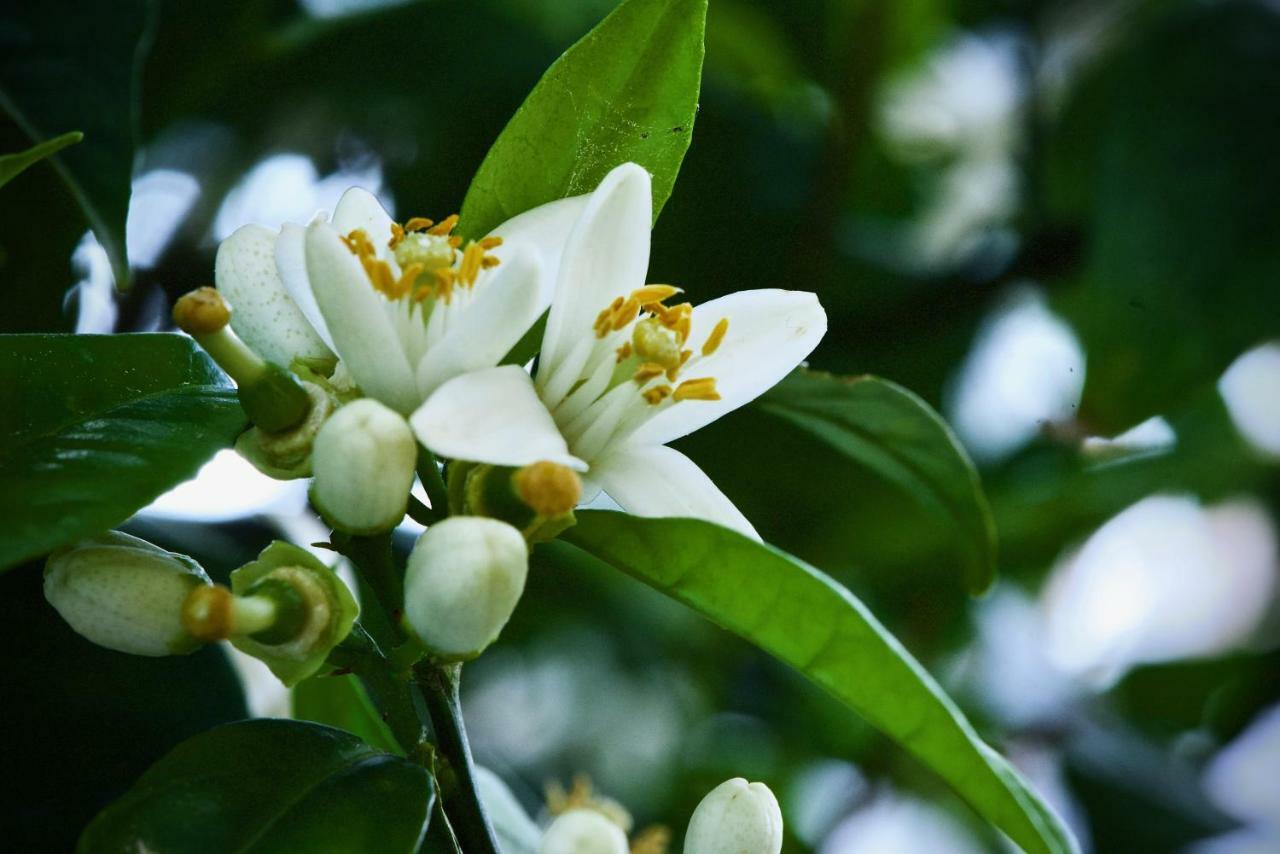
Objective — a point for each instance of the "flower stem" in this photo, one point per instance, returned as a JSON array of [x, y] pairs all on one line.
[[433, 482], [439, 686]]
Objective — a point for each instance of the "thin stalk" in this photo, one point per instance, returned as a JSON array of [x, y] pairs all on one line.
[[461, 799], [433, 482]]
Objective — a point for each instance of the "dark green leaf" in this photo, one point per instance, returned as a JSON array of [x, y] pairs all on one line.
[[342, 702], [12, 165], [265, 786], [66, 64], [798, 614], [628, 91], [892, 431], [97, 426]]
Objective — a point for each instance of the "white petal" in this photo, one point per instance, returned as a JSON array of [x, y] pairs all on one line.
[[491, 416], [506, 304], [291, 263], [358, 208], [358, 320], [546, 229], [770, 333], [262, 312], [607, 255], [653, 480]]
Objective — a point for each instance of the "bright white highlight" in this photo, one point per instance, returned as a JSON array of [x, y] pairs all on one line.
[[1251, 390], [228, 487]]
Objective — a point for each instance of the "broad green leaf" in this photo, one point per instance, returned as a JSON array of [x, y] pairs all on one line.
[[97, 426], [12, 165], [893, 432], [627, 91], [67, 64], [342, 702], [269, 786], [807, 620]]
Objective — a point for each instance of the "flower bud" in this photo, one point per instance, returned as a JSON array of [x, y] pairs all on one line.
[[464, 579], [287, 455], [583, 831], [363, 460], [736, 817], [288, 610], [124, 593], [538, 498]]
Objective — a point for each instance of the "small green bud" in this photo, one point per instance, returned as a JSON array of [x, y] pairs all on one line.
[[736, 817], [464, 579], [363, 460], [124, 593], [583, 831], [289, 610], [287, 455]]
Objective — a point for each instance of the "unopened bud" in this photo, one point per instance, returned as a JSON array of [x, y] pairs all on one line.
[[124, 593], [363, 460], [736, 817], [583, 831], [287, 455], [538, 498], [289, 610], [271, 396], [464, 579]]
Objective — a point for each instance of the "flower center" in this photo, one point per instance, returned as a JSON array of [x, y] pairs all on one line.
[[428, 263]]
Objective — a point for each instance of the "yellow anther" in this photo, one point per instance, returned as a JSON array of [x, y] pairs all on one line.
[[699, 389], [624, 351], [604, 320], [445, 226], [469, 269], [455, 241], [488, 262], [397, 235], [674, 370], [648, 371], [201, 312], [549, 489], [657, 394], [490, 242], [418, 223], [654, 293], [358, 242], [627, 312], [717, 335]]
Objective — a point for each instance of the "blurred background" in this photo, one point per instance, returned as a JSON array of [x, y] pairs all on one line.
[[1055, 221]]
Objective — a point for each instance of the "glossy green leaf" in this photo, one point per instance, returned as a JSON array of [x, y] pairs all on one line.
[[78, 65], [627, 91], [342, 702], [97, 426], [269, 786], [893, 432], [12, 165], [806, 619]]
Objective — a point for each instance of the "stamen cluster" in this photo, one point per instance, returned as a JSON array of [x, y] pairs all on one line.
[[427, 253]]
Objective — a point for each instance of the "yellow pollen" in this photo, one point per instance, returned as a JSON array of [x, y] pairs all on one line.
[[445, 226], [470, 266], [455, 241], [628, 312], [654, 293], [699, 389], [657, 394], [490, 242], [397, 235], [418, 223], [624, 351], [648, 371], [717, 335]]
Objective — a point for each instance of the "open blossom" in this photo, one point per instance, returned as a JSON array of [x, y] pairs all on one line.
[[404, 307], [624, 368]]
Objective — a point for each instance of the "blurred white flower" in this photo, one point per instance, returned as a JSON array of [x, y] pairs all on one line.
[[897, 824], [1151, 437], [1164, 580], [1251, 390], [228, 487], [160, 202], [1242, 779]]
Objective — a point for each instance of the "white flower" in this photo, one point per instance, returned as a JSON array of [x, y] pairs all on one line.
[[621, 373], [583, 831], [736, 817], [404, 307]]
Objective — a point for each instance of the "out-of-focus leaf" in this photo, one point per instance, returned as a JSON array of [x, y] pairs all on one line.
[[12, 165], [270, 786], [892, 431], [97, 426], [65, 64], [341, 701], [807, 620], [1181, 136], [627, 91]]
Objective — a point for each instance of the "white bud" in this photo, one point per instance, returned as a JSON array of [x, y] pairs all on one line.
[[124, 593], [583, 831], [363, 460], [736, 817], [464, 579]]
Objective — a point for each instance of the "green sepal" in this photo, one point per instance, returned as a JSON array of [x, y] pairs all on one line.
[[275, 400], [292, 666], [490, 491]]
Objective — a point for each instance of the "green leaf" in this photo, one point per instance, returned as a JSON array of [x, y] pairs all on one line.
[[12, 165], [96, 427], [627, 91], [798, 614], [893, 432], [78, 65], [342, 702], [269, 786]]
